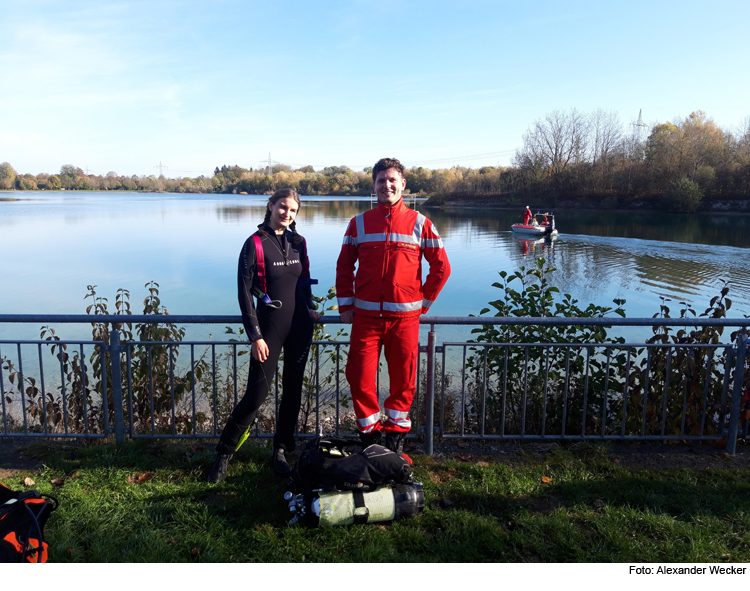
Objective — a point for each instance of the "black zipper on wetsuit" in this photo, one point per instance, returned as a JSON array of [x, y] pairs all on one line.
[[283, 251]]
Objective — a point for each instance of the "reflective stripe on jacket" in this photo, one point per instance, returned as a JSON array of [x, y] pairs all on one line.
[[389, 242]]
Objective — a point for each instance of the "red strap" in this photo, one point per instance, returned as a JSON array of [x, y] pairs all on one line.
[[12, 539], [261, 263], [30, 550]]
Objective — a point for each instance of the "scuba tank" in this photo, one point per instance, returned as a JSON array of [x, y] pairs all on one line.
[[345, 507]]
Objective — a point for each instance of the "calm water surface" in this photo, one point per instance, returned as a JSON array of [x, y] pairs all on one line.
[[55, 244]]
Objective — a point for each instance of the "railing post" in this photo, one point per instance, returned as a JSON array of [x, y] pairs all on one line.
[[739, 374], [114, 356], [430, 394]]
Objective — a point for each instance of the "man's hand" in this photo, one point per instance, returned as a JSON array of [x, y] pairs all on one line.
[[259, 350], [347, 317], [314, 314]]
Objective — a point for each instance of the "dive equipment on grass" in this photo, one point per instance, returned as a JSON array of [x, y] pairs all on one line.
[[336, 463], [23, 516], [335, 507], [339, 483]]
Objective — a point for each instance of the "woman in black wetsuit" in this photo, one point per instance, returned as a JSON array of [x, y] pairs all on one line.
[[283, 320]]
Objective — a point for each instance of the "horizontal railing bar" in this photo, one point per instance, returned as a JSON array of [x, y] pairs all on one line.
[[118, 319], [557, 321], [445, 344], [60, 342], [124, 344], [52, 435], [468, 344], [479, 436], [594, 345], [335, 319]]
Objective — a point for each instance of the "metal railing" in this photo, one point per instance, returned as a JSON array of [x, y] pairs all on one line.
[[513, 386]]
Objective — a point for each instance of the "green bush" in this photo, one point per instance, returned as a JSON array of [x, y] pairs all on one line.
[[684, 196]]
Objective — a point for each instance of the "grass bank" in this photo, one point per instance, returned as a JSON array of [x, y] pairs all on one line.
[[149, 501]]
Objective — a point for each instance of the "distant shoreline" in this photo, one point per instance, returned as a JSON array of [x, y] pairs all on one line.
[[726, 206]]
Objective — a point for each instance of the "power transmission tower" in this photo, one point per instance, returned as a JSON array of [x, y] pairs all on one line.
[[161, 168], [639, 126], [88, 171], [269, 164]]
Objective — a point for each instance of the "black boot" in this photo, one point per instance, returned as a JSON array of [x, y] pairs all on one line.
[[219, 470], [280, 465], [371, 438], [395, 441]]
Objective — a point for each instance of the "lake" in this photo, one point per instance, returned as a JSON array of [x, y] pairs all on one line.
[[55, 244]]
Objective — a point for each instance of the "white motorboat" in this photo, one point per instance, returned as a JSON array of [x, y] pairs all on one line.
[[545, 227]]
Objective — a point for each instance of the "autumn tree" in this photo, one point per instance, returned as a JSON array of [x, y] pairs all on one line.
[[554, 142], [693, 148], [7, 176], [742, 145], [26, 182], [606, 135]]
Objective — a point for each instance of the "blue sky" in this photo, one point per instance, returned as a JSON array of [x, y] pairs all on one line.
[[123, 86]]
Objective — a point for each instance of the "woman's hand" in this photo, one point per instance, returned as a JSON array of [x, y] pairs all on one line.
[[259, 350], [314, 314]]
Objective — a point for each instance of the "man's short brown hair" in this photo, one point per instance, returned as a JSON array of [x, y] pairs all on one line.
[[385, 164]]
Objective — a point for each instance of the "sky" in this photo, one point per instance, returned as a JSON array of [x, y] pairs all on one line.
[[127, 86]]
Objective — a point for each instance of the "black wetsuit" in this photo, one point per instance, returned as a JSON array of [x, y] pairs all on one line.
[[289, 327]]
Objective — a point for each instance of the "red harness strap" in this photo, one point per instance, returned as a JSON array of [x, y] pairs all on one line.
[[261, 265]]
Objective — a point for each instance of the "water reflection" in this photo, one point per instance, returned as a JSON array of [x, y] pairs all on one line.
[[541, 247], [312, 210], [190, 244]]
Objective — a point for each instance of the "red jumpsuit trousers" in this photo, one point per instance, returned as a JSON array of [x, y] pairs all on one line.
[[400, 339]]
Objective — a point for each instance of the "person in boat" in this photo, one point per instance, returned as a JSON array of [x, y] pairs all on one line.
[[527, 216], [384, 300], [282, 319]]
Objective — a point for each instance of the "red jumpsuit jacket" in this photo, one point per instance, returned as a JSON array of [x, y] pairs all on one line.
[[389, 242]]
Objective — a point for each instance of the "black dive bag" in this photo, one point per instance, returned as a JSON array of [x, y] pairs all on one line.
[[339, 483], [23, 516], [336, 463]]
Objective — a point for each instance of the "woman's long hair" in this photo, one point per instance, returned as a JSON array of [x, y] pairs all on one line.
[[282, 194]]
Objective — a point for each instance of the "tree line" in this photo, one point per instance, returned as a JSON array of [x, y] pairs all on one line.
[[566, 157], [570, 157]]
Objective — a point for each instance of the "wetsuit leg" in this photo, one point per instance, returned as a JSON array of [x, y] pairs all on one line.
[[296, 350], [258, 384]]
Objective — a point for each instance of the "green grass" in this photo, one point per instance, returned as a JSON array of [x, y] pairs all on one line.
[[593, 509]]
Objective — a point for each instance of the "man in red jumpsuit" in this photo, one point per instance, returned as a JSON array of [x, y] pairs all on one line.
[[527, 216], [384, 300]]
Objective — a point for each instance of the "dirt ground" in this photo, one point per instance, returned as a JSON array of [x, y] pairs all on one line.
[[18, 454]]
